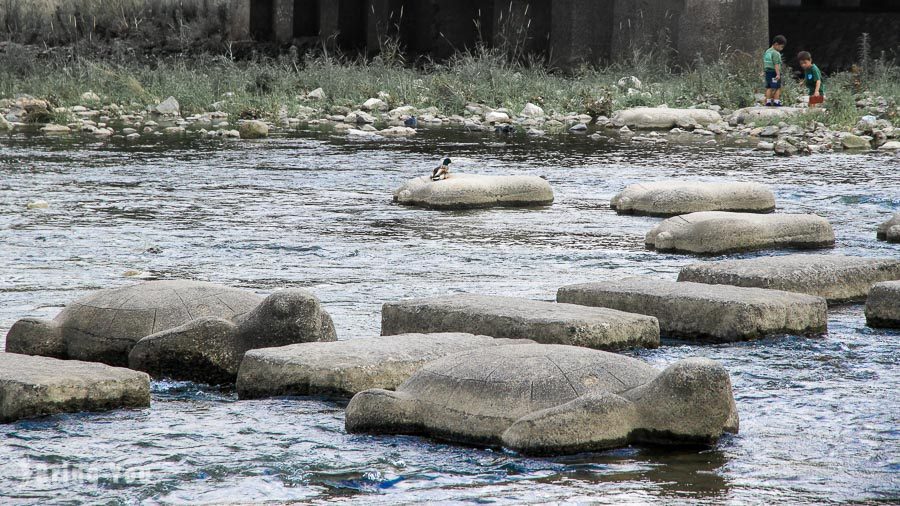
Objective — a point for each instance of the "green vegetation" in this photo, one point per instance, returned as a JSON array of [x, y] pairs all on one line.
[[135, 53]]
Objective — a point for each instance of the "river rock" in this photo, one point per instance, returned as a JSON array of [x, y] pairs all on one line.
[[850, 141], [664, 117], [883, 305], [887, 146], [374, 104], [835, 277], [5, 125], [893, 234], [253, 129], [462, 191], [52, 129], [882, 231], [515, 318], [669, 198], [552, 399], [717, 313], [715, 232], [210, 349], [751, 114], [496, 117], [531, 111], [398, 131], [168, 107], [344, 368], [38, 386]]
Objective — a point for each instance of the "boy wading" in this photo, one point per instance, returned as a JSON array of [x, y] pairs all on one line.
[[772, 64]]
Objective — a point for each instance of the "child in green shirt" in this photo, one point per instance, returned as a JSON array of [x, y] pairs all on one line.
[[812, 76], [772, 65]]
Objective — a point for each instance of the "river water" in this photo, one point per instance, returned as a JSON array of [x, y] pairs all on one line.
[[819, 417]]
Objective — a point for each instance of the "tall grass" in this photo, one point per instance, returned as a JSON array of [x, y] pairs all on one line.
[[499, 76]]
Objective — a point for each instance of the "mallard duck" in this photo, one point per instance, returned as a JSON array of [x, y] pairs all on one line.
[[441, 171]]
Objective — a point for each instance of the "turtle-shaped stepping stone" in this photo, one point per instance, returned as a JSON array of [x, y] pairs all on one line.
[[194, 325], [553, 399]]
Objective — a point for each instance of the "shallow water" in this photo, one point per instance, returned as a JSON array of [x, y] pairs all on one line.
[[819, 417]]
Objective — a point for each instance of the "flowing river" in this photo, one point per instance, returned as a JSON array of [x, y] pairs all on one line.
[[819, 417]]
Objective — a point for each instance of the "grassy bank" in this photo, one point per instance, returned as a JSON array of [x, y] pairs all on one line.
[[263, 87]]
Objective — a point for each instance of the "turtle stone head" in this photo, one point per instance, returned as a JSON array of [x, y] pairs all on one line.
[[446, 161], [291, 315]]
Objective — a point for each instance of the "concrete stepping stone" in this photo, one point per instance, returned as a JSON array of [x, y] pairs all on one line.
[[670, 198], [548, 399], [835, 277], [717, 313], [515, 318], [344, 368], [465, 191], [716, 232], [883, 305], [33, 386], [664, 117]]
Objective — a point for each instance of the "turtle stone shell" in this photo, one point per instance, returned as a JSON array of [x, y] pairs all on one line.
[[514, 380], [133, 312]]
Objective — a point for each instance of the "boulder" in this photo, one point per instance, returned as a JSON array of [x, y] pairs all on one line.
[[168, 107], [887, 146], [316, 94], [883, 305], [345, 368], [669, 198], [664, 117], [515, 318], [374, 104], [398, 131], [850, 141], [90, 96], [253, 129], [531, 111], [38, 386], [752, 114], [463, 191], [497, 117], [210, 349], [893, 234], [552, 399], [717, 313], [835, 277], [716, 232], [5, 125], [882, 231]]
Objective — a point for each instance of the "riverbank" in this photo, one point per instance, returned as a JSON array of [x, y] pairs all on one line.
[[215, 96]]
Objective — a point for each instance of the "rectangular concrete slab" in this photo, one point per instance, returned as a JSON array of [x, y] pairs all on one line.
[[515, 318], [344, 368], [33, 386], [717, 313], [837, 278]]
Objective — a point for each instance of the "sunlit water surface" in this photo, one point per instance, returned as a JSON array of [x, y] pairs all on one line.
[[818, 416]]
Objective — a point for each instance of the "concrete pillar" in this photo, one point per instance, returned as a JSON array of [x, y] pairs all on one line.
[[645, 26], [283, 21], [708, 29], [580, 31], [240, 20]]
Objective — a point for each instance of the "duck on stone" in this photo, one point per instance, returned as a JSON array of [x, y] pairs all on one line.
[[441, 171]]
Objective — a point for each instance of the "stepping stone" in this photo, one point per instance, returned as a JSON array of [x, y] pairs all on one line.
[[664, 117], [344, 368], [717, 313], [883, 305], [548, 399], [835, 277], [669, 198], [465, 191], [515, 318], [33, 386], [890, 229], [716, 232]]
